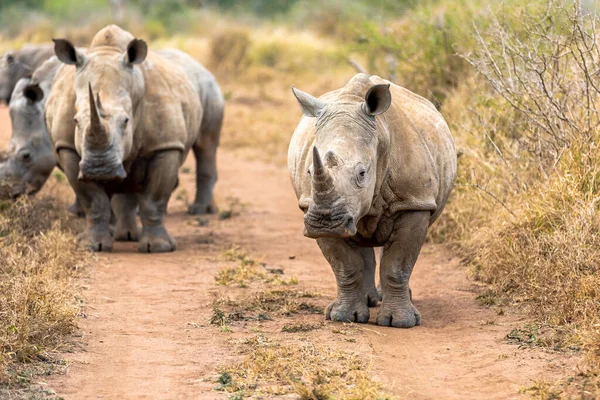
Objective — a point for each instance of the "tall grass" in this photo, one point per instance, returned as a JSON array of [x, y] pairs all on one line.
[[39, 299]]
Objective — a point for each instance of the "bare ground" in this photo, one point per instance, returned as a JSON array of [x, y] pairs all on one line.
[[146, 331]]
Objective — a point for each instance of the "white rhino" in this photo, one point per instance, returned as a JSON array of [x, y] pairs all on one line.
[[122, 120], [387, 169], [15, 65]]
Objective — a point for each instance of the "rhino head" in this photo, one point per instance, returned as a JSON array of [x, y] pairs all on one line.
[[30, 158], [344, 166], [11, 70], [108, 90]]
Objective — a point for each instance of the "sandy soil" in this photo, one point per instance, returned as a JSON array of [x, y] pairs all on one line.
[[146, 332]]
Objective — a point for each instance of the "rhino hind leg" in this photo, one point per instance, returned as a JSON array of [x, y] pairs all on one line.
[[347, 262], [125, 208], [76, 209], [371, 294], [162, 179], [95, 203], [399, 257], [205, 151]]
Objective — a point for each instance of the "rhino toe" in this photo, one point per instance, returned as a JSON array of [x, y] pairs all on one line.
[[153, 244], [398, 317], [343, 312], [96, 241]]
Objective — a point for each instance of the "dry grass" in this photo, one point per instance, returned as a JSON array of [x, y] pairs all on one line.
[[308, 370], [39, 299]]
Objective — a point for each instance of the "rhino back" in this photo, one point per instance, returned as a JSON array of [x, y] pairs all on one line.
[[172, 112], [34, 56], [205, 84]]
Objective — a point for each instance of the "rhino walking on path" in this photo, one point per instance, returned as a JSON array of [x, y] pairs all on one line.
[[122, 120], [372, 164], [15, 65]]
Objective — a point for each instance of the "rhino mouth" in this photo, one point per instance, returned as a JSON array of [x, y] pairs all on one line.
[[318, 225], [102, 173]]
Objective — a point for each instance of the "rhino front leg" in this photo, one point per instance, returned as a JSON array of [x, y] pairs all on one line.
[[125, 209], [162, 180], [94, 202], [206, 177], [399, 256], [347, 263]]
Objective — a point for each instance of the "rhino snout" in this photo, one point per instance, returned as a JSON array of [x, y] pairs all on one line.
[[319, 225], [101, 173]]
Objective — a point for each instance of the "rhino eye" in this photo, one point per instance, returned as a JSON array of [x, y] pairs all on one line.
[[26, 156], [360, 176], [125, 122]]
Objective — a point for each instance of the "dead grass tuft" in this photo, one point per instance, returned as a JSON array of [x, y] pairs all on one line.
[[307, 370], [39, 300]]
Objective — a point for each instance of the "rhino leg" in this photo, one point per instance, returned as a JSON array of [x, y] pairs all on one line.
[[205, 151], [348, 266], [399, 256], [162, 179], [125, 208], [76, 208], [368, 256], [94, 201]]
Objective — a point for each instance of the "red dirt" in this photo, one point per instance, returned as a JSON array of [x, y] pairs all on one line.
[[146, 330]]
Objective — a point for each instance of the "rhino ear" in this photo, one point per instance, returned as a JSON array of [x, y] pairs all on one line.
[[67, 53], [137, 50], [311, 106], [33, 92], [378, 99]]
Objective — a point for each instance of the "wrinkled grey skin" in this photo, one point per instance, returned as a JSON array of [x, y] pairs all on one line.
[[372, 165], [30, 158], [30, 155], [15, 65]]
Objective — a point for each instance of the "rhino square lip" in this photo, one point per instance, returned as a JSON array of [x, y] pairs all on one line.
[[346, 228]]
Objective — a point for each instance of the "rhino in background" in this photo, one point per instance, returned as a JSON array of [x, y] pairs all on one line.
[[30, 158], [122, 120], [15, 65], [372, 164]]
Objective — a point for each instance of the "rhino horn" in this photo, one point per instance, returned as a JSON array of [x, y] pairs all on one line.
[[322, 182], [97, 136]]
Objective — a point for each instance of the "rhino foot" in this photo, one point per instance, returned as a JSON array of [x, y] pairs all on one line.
[[127, 233], [398, 317], [344, 312], [96, 241], [202, 208], [156, 243]]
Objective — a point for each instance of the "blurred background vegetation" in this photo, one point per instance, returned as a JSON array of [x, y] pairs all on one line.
[[517, 82]]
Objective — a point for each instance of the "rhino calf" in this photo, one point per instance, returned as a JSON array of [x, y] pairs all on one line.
[[122, 120], [372, 164], [15, 65]]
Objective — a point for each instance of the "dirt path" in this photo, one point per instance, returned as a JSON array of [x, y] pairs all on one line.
[[146, 328]]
